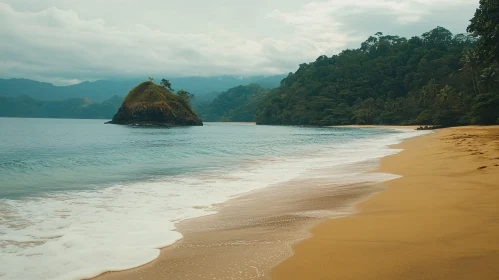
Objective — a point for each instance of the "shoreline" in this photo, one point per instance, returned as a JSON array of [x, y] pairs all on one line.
[[222, 244], [253, 232], [438, 221], [412, 127]]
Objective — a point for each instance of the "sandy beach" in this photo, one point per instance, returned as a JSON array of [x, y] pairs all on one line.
[[439, 221], [251, 233]]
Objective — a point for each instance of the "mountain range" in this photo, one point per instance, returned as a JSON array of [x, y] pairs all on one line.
[[102, 99], [205, 88]]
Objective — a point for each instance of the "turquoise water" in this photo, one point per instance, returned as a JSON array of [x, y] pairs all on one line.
[[78, 198], [45, 155]]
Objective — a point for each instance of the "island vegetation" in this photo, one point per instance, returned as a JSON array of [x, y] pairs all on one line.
[[152, 104], [437, 78]]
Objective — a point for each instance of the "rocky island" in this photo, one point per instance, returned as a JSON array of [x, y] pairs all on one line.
[[151, 104]]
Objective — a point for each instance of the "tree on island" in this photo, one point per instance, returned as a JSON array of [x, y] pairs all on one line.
[[182, 93], [166, 84], [186, 95], [151, 79]]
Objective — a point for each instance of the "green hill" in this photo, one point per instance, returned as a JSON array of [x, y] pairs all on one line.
[[437, 78], [237, 104], [151, 104]]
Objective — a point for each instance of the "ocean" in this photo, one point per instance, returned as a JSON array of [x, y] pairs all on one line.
[[78, 198]]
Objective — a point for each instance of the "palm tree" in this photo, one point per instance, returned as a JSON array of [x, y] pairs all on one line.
[[489, 78], [428, 92], [471, 63], [446, 96]]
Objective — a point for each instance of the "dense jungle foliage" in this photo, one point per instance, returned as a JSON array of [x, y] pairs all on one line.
[[238, 104], [436, 78]]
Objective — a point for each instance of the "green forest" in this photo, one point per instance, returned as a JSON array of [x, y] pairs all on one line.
[[238, 104], [437, 78]]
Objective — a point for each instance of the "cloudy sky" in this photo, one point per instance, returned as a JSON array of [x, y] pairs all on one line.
[[67, 41]]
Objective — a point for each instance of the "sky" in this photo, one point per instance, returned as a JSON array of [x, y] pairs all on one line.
[[69, 41]]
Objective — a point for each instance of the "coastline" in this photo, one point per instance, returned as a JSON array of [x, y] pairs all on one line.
[[412, 127], [438, 221], [253, 232]]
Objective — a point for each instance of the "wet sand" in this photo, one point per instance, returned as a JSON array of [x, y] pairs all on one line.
[[254, 232], [439, 221], [412, 127]]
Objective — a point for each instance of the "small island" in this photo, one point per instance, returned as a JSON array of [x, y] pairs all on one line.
[[154, 105]]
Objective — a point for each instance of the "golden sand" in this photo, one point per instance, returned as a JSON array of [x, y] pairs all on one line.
[[439, 221], [251, 233], [380, 126]]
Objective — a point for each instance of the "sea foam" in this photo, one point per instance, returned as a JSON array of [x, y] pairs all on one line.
[[81, 234]]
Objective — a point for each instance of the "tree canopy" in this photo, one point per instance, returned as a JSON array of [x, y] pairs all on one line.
[[238, 104], [485, 26], [436, 78]]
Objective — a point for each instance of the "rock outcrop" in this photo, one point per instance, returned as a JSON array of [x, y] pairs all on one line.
[[151, 104]]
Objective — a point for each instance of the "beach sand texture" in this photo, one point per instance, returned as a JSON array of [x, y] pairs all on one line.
[[254, 232], [439, 221], [249, 235]]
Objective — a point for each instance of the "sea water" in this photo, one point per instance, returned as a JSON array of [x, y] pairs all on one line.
[[78, 198]]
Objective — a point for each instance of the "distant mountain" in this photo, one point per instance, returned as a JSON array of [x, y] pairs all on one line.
[[237, 104], [205, 88], [73, 108]]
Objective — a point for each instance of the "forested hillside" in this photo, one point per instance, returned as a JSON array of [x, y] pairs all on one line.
[[436, 78], [238, 104]]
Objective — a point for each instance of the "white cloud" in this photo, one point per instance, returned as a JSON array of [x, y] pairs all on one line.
[[318, 14], [55, 40], [327, 21], [80, 41]]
